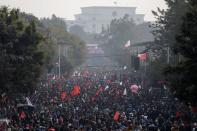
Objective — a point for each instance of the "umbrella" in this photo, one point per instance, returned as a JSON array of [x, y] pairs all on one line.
[[134, 88], [25, 107]]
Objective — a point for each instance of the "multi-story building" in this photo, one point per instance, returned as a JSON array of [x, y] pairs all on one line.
[[93, 19]]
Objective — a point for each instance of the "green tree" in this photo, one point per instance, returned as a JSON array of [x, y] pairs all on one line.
[[78, 31], [46, 45], [154, 72], [135, 62], [182, 76], [119, 32], [166, 27], [58, 34], [21, 62]]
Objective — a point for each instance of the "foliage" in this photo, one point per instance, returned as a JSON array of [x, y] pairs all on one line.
[[166, 27], [28, 50], [176, 28], [21, 62], [46, 45], [85, 36], [119, 32], [182, 76], [78, 31], [135, 62], [154, 72], [75, 46]]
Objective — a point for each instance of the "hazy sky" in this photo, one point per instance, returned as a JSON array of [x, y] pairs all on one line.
[[67, 8]]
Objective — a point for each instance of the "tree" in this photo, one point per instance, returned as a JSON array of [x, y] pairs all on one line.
[[78, 31], [182, 76], [119, 32], [58, 35], [154, 72], [28, 46], [46, 45], [21, 62], [135, 62], [166, 27]]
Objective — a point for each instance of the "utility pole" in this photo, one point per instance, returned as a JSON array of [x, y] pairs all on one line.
[[59, 60], [168, 55]]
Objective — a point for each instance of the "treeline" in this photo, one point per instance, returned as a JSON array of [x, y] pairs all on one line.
[[119, 32], [29, 50], [175, 45]]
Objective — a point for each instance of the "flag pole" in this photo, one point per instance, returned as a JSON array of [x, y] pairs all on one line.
[[145, 62]]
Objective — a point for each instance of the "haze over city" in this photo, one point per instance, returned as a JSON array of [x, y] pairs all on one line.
[[67, 8], [98, 65]]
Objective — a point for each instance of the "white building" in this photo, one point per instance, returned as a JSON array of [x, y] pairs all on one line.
[[93, 18]]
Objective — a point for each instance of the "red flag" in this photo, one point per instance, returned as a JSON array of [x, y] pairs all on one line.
[[63, 95], [194, 109], [99, 91], [108, 81], [75, 91], [61, 120], [51, 129], [178, 114], [116, 116], [22, 115], [142, 57], [93, 99]]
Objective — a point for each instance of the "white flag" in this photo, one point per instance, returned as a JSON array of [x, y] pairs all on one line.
[[150, 89], [105, 77], [83, 100], [28, 102], [4, 94], [127, 44], [121, 83], [106, 87], [53, 77], [125, 92], [164, 86]]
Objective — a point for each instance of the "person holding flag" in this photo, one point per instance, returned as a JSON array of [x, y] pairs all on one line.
[[63, 95], [116, 116], [75, 91], [142, 57]]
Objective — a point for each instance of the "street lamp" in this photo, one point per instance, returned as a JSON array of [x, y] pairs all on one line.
[[59, 54]]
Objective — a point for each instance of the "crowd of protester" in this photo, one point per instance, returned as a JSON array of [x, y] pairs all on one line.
[[99, 102]]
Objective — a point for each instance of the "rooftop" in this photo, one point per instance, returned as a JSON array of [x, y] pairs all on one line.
[[123, 7]]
